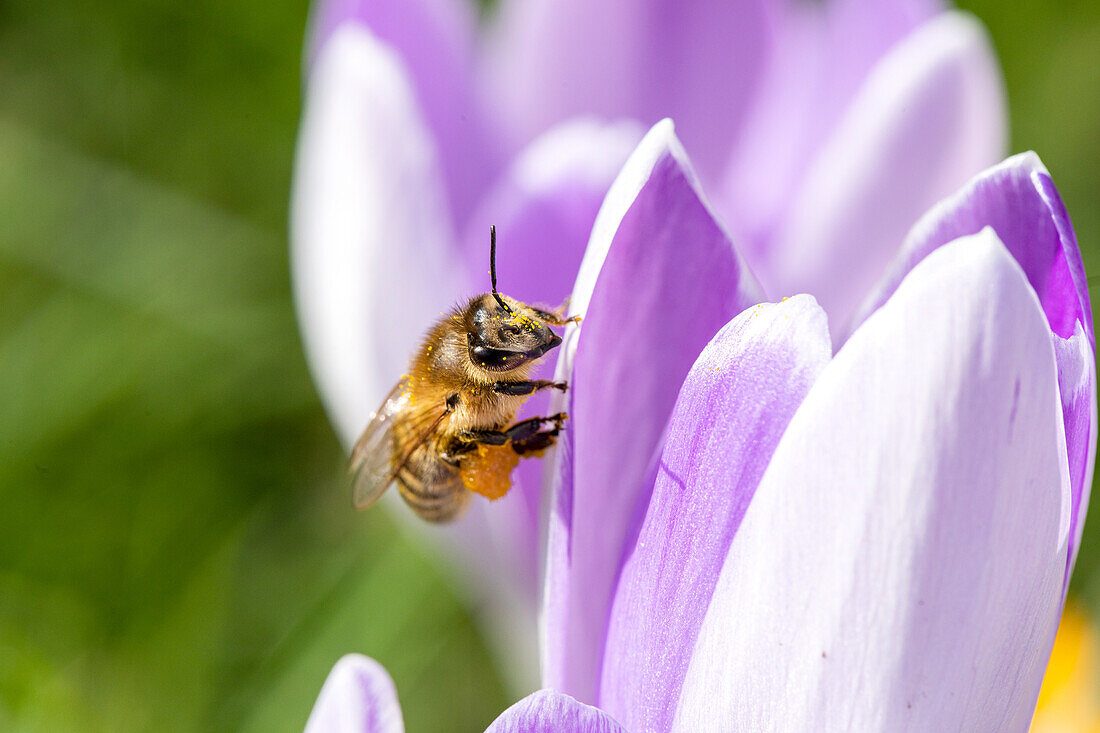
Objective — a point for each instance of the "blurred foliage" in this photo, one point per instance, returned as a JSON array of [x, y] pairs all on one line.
[[176, 546], [176, 551]]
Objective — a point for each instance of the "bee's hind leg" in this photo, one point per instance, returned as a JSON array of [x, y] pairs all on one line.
[[525, 429], [525, 436], [538, 442]]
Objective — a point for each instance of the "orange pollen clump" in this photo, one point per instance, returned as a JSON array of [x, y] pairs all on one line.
[[489, 471]]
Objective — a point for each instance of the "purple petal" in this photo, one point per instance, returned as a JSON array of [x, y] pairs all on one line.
[[669, 280], [371, 242], [1018, 199], [358, 697], [435, 40], [823, 55], [929, 116], [697, 62], [547, 711], [900, 566], [733, 408], [1076, 362]]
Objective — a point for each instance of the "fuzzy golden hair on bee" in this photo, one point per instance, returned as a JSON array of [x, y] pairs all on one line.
[[447, 428]]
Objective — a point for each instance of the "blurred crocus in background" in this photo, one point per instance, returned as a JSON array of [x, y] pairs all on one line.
[[853, 508]]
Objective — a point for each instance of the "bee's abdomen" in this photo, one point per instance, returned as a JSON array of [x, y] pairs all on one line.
[[433, 489]]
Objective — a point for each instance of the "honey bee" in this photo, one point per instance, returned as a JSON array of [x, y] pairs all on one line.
[[446, 429]]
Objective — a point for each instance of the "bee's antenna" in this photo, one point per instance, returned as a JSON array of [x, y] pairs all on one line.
[[493, 267]]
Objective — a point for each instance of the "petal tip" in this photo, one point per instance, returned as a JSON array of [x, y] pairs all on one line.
[[658, 143], [584, 148], [358, 695]]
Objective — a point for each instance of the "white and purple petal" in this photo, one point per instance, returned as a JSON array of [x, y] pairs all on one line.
[[900, 566], [659, 279], [549, 711], [357, 697], [731, 412], [1019, 201]]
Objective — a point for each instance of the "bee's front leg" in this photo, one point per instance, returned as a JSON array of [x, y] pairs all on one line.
[[556, 318], [517, 389]]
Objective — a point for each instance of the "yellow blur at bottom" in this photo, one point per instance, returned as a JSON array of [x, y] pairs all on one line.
[[1070, 699]]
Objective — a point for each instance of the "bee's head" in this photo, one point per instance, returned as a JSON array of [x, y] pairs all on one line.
[[502, 340], [503, 333]]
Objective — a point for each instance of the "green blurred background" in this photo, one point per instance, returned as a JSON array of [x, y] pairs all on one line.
[[176, 550]]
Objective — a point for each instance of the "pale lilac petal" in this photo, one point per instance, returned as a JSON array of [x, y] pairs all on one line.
[[547, 711], [1076, 361], [374, 265], [668, 279], [371, 242], [733, 408], [1019, 201], [357, 697], [900, 566], [824, 52], [435, 41], [930, 116], [697, 62]]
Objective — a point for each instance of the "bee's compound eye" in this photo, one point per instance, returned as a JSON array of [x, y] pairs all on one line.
[[497, 360]]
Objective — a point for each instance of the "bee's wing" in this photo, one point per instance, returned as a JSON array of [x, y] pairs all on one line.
[[372, 456]]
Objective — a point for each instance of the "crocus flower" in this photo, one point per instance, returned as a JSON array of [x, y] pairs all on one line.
[[423, 126], [873, 537]]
